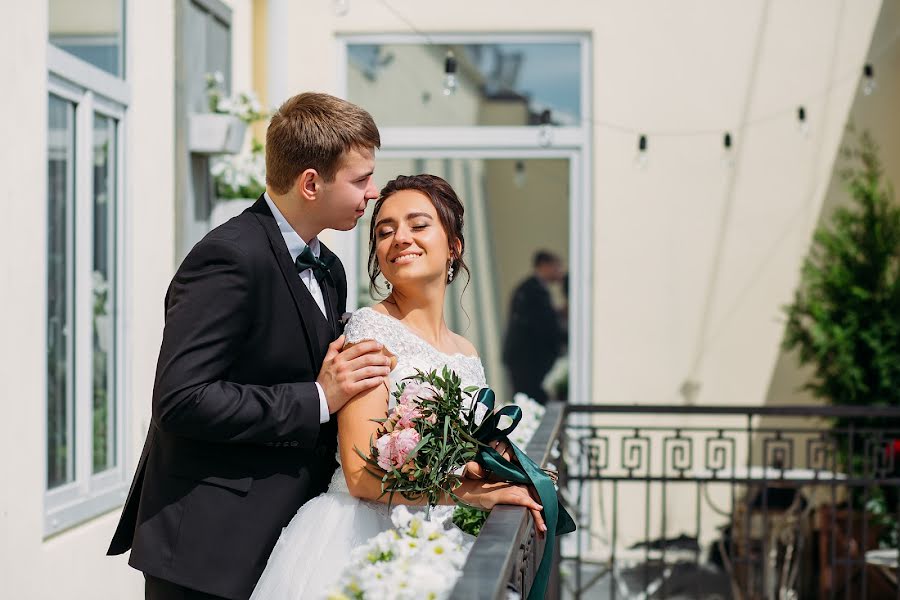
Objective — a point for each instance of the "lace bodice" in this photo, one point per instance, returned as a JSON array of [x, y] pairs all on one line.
[[412, 353]]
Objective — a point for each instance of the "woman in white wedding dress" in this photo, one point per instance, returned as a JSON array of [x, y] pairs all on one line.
[[416, 242]]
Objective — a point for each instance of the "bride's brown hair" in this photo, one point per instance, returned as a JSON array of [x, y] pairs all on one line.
[[447, 205]]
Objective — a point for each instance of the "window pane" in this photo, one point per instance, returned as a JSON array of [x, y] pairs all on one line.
[[497, 84], [89, 29], [104, 287], [60, 200], [513, 208]]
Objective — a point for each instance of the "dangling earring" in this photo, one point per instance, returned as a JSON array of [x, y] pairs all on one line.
[[388, 284], [450, 273]]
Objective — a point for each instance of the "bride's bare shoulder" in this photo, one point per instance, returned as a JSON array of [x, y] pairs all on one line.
[[465, 346]]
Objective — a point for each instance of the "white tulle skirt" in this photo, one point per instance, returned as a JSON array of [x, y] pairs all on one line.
[[315, 546]]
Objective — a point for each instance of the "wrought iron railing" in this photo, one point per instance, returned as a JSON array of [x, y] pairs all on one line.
[[732, 502], [506, 553]]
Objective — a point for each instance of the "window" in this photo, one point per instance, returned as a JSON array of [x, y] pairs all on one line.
[[91, 30], [501, 84], [85, 422], [512, 139]]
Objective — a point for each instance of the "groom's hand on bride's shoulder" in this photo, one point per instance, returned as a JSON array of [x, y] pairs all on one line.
[[349, 371]]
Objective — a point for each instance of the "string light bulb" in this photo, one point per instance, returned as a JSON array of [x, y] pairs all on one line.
[[545, 131], [450, 81], [801, 121], [642, 152], [519, 174], [869, 84], [340, 7], [728, 157]]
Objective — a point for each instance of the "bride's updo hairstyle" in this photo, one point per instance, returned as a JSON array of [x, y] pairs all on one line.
[[447, 205]]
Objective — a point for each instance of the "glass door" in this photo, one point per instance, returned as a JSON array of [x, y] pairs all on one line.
[[516, 207]]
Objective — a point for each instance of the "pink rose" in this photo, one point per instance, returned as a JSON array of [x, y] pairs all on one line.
[[414, 391], [405, 414], [394, 448]]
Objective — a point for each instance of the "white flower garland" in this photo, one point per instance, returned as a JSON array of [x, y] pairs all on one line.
[[420, 558]]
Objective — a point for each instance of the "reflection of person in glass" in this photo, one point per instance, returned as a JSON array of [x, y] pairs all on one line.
[[534, 336]]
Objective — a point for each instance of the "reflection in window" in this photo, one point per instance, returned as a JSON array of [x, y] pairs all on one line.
[[499, 84], [103, 287], [90, 30], [60, 342]]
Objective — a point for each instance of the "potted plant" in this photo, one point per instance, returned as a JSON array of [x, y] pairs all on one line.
[[845, 323], [239, 180], [222, 129]]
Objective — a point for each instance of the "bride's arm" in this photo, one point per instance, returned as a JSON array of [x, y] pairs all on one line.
[[356, 430]]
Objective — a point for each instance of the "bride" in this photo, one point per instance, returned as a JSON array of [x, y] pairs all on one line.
[[416, 242]]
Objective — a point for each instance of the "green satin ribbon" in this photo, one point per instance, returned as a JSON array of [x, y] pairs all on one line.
[[526, 472]]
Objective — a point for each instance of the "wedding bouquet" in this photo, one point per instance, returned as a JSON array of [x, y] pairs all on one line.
[[419, 558], [428, 437]]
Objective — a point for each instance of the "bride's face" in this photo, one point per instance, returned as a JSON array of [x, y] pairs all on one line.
[[410, 242]]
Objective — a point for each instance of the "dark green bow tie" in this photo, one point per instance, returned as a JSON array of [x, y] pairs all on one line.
[[307, 260]]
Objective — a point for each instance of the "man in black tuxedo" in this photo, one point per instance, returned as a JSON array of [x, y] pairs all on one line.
[[534, 335], [251, 368]]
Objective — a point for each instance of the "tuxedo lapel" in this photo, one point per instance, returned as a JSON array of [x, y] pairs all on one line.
[[329, 285], [303, 300]]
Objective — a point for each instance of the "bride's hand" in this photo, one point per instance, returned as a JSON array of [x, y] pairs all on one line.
[[486, 495], [474, 470]]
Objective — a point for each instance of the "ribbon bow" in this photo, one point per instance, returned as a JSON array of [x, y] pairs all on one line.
[[526, 472], [308, 260]]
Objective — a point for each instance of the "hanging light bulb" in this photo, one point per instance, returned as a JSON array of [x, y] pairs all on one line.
[[545, 131], [869, 84], [450, 82], [340, 7], [642, 152], [728, 156], [519, 174], [801, 121]]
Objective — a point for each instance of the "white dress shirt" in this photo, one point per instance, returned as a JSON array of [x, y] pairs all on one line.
[[295, 246]]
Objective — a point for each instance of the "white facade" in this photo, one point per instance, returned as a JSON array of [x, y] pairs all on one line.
[[689, 260]]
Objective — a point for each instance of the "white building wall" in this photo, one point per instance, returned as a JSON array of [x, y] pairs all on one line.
[[72, 564]]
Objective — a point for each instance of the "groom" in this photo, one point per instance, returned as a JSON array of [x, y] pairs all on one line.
[[251, 370]]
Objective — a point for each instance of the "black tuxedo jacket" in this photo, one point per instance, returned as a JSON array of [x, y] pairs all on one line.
[[235, 445], [534, 335]]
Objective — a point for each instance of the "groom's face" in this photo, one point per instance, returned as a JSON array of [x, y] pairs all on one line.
[[344, 199]]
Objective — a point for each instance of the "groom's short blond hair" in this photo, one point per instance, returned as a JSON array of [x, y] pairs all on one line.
[[313, 131]]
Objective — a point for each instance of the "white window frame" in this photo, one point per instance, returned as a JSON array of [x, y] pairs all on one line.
[[92, 91], [573, 143]]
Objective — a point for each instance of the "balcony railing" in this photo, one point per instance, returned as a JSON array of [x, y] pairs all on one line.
[[507, 553], [709, 502]]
